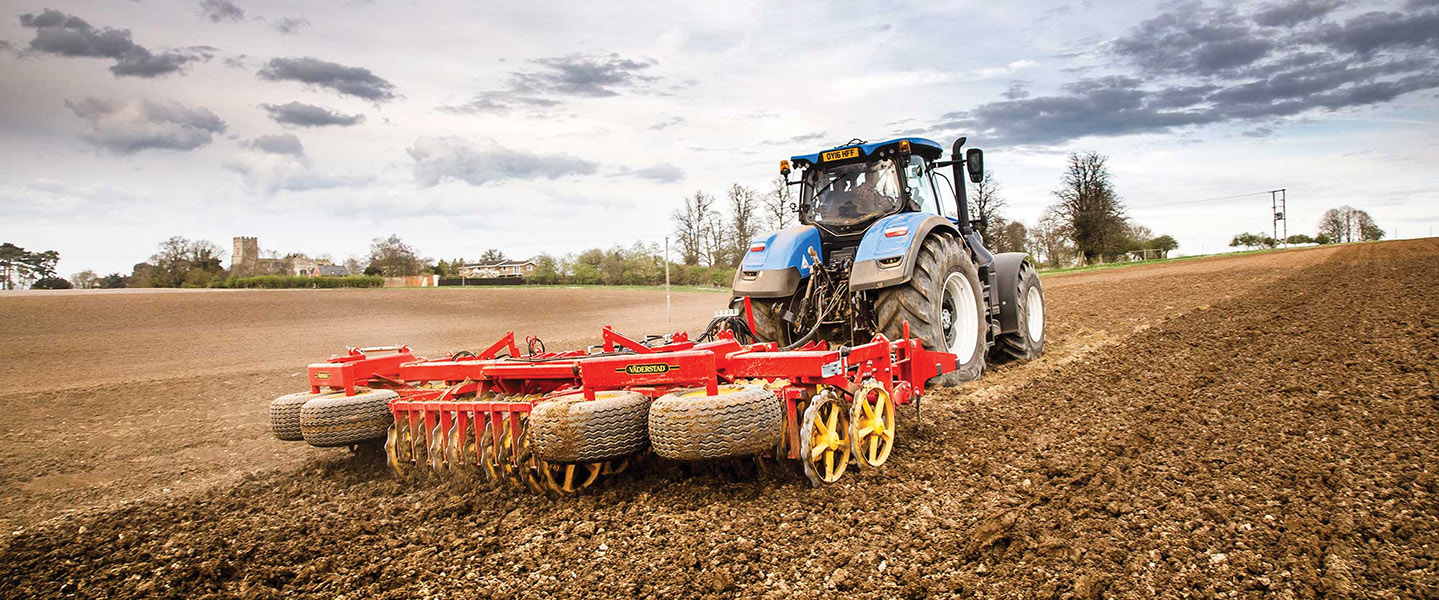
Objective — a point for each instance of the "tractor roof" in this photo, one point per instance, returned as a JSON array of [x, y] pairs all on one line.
[[924, 147]]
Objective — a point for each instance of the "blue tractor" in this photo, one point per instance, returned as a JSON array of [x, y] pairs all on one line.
[[885, 238]]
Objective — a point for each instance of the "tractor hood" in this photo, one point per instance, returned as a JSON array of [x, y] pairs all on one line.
[[929, 149]]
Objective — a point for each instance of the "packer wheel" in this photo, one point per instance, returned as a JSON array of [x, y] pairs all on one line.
[[739, 421], [872, 426], [824, 440]]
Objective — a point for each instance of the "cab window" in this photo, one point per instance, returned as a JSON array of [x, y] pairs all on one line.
[[921, 190], [948, 206]]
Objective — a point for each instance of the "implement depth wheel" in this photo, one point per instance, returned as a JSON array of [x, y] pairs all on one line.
[[872, 426], [570, 479], [739, 421], [824, 440]]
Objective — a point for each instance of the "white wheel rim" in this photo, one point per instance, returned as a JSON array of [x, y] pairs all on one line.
[[959, 317], [1034, 303]]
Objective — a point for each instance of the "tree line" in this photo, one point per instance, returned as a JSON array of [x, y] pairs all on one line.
[[1337, 225], [22, 268]]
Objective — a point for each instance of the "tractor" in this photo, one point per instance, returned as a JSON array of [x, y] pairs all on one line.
[[884, 290], [884, 239]]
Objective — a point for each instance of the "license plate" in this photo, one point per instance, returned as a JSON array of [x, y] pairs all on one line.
[[834, 155]]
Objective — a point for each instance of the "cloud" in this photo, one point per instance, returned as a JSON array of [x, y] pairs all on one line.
[[667, 123], [576, 75], [1196, 65], [1294, 13], [289, 25], [221, 10], [1016, 90], [308, 115], [803, 138], [65, 35], [279, 143], [663, 173], [131, 126], [439, 159], [276, 163], [353, 81]]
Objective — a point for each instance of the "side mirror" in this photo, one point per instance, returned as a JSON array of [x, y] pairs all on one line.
[[974, 162]]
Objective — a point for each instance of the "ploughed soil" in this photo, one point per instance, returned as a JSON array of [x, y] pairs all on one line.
[[1230, 427]]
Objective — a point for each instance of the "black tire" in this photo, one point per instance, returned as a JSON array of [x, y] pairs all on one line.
[[738, 422], [285, 415], [768, 318], [922, 301], [568, 429], [1023, 344], [338, 420]]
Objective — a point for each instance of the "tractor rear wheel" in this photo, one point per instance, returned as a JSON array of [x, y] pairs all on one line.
[[768, 318], [1027, 342], [568, 429], [739, 421], [339, 420], [285, 415], [944, 306]]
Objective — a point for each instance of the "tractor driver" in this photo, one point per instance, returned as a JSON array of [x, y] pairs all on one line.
[[855, 194]]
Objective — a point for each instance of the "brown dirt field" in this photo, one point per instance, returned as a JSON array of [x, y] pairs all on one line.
[[1244, 426]]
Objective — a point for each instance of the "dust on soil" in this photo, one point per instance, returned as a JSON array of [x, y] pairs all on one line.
[[1269, 434]]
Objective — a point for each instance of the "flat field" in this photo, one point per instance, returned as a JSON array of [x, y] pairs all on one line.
[[1260, 425]]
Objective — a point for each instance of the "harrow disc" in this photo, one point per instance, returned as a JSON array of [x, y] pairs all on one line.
[[872, 426], [461, 451], [400, 449], [437, 451], [824, 440]]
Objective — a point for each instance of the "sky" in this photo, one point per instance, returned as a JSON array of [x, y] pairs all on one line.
[[556, 126]]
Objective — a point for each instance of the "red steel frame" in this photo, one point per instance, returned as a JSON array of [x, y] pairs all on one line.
[[430, 390]]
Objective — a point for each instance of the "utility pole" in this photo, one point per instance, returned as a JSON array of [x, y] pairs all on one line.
[[1277, 200], [668, 313]]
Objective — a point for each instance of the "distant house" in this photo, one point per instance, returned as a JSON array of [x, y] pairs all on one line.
[[499, 268]]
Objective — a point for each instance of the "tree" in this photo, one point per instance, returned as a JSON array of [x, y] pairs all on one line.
[[744, 219], [1090, 207], [716, 244], [1299, 238], [20, 267], [985, 202], [112, 281], [392, 257], [50, 282], [1253, 240], [1333, 225], [1007, 236], [1349, 224], [1049, 239], [492, 255], [84, 279], [1164, 244], [691, 226], [179, 262], [777, 204]]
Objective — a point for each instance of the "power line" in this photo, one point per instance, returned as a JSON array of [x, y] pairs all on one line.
[[1205, 200]]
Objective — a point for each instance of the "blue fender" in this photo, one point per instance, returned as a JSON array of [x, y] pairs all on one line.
[[776, 261], [888, 249]]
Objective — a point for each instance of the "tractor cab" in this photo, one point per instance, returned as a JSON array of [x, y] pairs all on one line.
[[845, 190]]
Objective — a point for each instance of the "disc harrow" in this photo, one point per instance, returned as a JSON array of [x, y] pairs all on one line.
[[468, 416]]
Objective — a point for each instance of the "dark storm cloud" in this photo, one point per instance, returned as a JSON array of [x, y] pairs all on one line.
[[439, 159], [353, 81], [221, 10], [1197, 65], [1016, 90], [308, 115], [131, 126], [65, 35], [279, 143], [1294, 13], [576, 75]]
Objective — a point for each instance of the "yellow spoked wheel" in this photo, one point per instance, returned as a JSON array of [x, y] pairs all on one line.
[[872, 426], [399, 449], [567, 480], [824, 440]]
